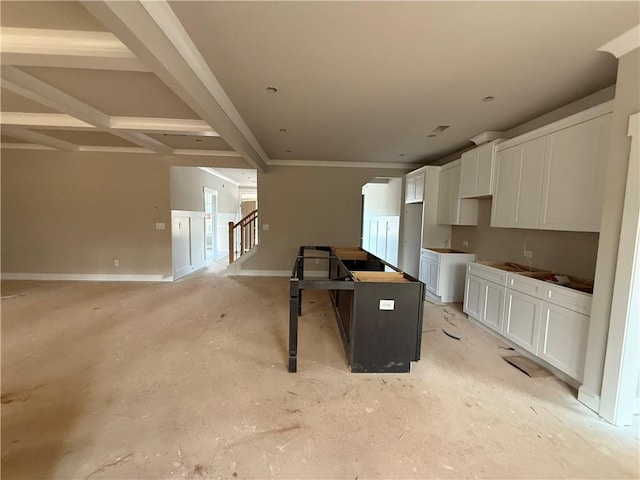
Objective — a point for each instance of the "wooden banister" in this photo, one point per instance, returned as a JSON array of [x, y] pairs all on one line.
[[243, 235]]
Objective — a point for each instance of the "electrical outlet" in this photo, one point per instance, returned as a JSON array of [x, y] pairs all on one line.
[[465, 244], [265, 227], [116, 262], [160, 226], [528, 254]]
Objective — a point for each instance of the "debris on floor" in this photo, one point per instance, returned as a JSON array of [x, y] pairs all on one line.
[[527, 366], [449, 316], [449, 335], [506, 348]]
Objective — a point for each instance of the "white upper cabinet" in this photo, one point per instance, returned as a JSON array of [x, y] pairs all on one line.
[[453, 210], [478, 165], [519, 175], [414, 187], [574, 176], [555, 180]]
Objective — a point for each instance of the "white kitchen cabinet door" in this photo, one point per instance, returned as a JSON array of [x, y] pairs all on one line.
[[530, 189], [518, 190], [414, 187], [504, 206], [433, 276], [574, 176], [476, 178], [563, 339], [410, 189], [419, 195], [492, 312], [522, 320], [473, 296], [444, 197], [452, 210]]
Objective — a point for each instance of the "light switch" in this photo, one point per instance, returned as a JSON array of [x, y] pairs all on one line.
[[160, 226], [387, 304], [265, 226]]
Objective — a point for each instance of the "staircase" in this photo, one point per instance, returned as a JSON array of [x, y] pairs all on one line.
[[243, 236]]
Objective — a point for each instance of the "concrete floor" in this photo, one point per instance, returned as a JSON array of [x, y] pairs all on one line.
[[189, 380]]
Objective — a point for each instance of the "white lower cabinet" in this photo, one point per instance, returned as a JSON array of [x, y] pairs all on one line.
[[484, 301], [563, 339], [472, 305], [429, 273], [519, 308], [492, 312], [442, 270], [522, 320]]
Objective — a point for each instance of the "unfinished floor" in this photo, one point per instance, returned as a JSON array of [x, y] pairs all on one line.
[[189, 380]]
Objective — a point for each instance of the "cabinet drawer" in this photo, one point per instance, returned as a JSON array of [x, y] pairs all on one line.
[[528, 285], [566, 297], [488, 273]]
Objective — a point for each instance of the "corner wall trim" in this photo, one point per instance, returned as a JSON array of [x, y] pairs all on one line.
[[88, 277]]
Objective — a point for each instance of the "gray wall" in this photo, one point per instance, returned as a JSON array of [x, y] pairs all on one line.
[[75, 212], [187, 190], [572, 253], [308, 206]]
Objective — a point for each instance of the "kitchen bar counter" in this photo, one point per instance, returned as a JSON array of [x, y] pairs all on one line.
[[378, 308]]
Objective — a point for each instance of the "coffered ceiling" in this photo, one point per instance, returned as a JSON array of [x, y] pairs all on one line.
[[260, 83]]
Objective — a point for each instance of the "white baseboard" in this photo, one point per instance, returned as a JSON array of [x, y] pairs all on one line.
[[88, 277], [589, 399]]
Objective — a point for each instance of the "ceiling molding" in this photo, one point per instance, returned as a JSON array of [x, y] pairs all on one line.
[[39, 138], [28, 86], [31, 137], [206, 153], [164, 125], [66, 48], [25, 146], [625, 43], [154, 34], [57, 121], [113, 149], [315, 163]]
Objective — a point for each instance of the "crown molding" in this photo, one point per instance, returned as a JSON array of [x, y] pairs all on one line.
[[625, 43], [339, 164]]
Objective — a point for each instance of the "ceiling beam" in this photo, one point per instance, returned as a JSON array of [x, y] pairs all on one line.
[[155, 35], [38, 138], [164, 125], [66, 48], [28, 86], [52, 121]]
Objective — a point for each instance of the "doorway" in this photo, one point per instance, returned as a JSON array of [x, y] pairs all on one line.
[[380, 219], [210, 224]]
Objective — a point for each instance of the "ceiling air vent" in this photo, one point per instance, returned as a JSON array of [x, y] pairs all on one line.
[[439, 129]]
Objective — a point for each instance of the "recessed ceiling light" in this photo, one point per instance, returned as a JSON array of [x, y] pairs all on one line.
[[488, 99], [272, 89], [283, 130]]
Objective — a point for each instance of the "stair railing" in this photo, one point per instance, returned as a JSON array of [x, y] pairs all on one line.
[[243, 236]]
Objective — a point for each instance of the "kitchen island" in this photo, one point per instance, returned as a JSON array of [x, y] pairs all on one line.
[[378, 308]]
